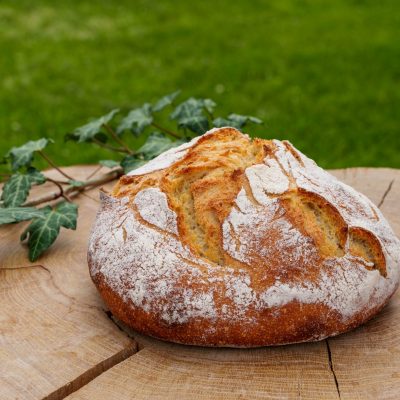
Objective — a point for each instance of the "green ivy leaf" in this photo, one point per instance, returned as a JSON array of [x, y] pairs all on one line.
[[17, 214], [132, 162], [242, 120], [255, 120], [137, 120], [187, 109], [166, 101], [109, 163], [221, 122], [75, 183], [92, 130], [209, 105], [156, 144], [190, 115], [16, 189], [23, 155], [197, 124], [236, 121], [43, 230]]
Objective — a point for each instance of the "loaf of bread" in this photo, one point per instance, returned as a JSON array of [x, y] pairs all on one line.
[[229, 241]]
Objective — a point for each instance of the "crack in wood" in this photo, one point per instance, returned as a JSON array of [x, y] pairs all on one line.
[[88, 196], [331, 367], [25, 267], [118, 324], [124, 329], [140, 346], [92, 373], [389, 188], [135, 346]]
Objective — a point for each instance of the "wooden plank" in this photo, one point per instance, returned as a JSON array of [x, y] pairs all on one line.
[[54, 333]]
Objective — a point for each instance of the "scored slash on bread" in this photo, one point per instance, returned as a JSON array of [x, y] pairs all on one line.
[[228, 241]]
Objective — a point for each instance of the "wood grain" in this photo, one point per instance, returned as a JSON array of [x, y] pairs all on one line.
[[366, 361], [373, 182], [54, 331], [179, 372]]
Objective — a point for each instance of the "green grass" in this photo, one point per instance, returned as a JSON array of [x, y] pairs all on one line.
[[324, 75]]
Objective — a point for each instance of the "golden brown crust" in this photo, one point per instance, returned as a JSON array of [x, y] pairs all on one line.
[[241, 243], [299, 323]]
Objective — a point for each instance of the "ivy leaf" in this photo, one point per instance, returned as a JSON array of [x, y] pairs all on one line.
[[75, 183], [109, 163], [187, 109], [255, 120], [190, 115], [17, 214], [241, 120], [236, 121], [23, 155], [209, 105], [137, 120], [132, 162], [16, 189], [43, 230], [92, 130], [221, 122], [197, 124], [166, 101], [156, 144]]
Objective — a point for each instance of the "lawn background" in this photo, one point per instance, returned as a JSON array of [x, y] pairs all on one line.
[[323, 74]]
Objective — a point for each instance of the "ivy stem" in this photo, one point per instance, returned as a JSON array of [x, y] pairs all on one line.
[[165, 130], [106, 146], [4, 177], [210, 114], [95, 171], [51, 163], [58, 184], [117, 138], [72, 191]]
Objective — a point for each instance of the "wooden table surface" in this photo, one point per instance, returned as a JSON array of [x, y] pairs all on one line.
[[58, 341]]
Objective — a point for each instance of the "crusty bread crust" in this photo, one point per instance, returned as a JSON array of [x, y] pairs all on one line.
[[228, 241]]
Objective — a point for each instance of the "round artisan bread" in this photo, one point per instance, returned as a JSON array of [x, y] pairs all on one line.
[[228, 241]]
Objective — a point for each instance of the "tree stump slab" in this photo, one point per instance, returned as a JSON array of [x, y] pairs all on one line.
[[58, 340]]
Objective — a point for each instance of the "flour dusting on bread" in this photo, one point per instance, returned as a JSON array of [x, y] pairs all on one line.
[[153, 207], [267, 179], [245, 207]]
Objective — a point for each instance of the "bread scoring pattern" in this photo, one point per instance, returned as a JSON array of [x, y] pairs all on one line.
[[221, 240]]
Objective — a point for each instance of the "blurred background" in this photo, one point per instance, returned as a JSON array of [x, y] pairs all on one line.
[[323, 74]]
